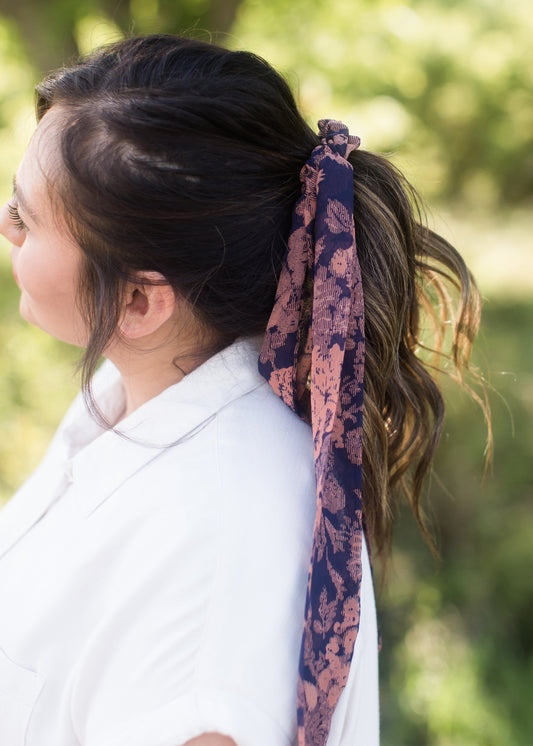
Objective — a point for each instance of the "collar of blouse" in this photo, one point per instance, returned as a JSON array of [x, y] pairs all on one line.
[[100, 467]]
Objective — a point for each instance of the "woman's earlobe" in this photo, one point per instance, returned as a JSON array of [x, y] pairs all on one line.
[[149, 302]]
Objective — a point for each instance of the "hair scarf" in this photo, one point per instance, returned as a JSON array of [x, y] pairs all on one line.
[[315, 346]]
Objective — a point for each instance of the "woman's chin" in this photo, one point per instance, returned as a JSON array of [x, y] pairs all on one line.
[[56, 330]]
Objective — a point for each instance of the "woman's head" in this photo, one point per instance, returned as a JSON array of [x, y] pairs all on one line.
[[181, 158]]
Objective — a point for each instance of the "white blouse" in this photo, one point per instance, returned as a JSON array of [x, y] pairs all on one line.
[[152, 580]]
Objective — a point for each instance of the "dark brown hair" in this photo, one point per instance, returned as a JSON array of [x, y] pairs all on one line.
[[183, 158]]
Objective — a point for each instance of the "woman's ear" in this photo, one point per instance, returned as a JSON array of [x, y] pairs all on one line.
[[149, 302]]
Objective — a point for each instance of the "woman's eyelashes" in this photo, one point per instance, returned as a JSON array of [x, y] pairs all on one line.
[[15, 218]]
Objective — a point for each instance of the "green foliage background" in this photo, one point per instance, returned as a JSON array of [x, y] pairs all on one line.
[[445, 88]]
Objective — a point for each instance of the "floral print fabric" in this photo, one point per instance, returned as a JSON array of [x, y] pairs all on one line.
[[314, 349]]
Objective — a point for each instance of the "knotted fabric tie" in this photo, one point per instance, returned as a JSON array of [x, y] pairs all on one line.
[[315, 339]]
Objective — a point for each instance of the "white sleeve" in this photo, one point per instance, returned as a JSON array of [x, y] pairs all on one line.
[[146, 676], [202, 628]]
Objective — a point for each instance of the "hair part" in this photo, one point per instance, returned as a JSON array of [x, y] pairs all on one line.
[[183, 158]]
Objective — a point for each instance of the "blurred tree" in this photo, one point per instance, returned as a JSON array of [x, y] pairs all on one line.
[[449, 85], [49, 30]]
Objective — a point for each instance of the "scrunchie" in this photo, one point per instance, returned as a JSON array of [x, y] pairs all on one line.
[[314, 348]]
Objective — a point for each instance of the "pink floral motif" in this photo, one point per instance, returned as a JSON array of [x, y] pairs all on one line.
[[334, 694], [335, 535], [282, 382], [336, 495], [327, 613], [306, 209], [338, 219], [350, 613], [324, 680], [322, 242], [338, 581], [339, 264], [311, 696], [354, 446]]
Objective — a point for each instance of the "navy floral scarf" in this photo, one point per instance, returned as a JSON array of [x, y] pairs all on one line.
[[313, 357]]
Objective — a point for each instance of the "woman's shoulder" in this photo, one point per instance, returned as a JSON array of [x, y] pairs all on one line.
[[218, 444], [243, 468]]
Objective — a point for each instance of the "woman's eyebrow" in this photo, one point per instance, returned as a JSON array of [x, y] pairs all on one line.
[[19, 194]]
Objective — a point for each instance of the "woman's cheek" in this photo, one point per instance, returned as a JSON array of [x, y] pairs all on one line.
[[40, 271], [31, 274]]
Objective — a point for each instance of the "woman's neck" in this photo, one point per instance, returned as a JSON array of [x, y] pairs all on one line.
[[152, 367]]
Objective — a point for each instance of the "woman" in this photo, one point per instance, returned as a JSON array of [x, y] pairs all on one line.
[[175, 214]]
